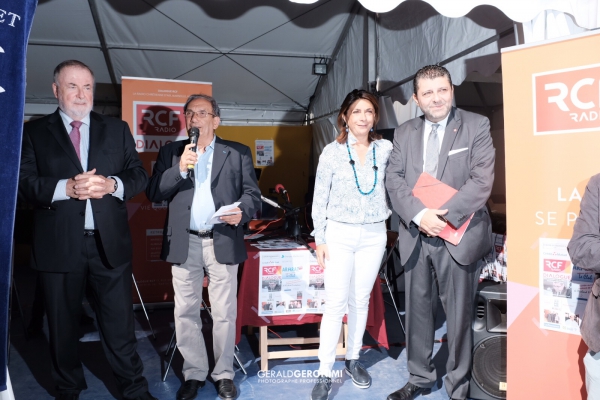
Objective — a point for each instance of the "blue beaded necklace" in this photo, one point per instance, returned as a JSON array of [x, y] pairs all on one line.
[[356, 176]]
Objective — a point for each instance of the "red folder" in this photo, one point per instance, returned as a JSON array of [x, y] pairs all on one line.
[[434, 194]]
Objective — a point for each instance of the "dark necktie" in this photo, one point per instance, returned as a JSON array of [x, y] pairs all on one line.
[[75, 136], [433, 150]]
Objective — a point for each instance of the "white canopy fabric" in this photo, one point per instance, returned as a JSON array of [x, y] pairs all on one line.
[[258, 54], [414, 35], [585, 12]]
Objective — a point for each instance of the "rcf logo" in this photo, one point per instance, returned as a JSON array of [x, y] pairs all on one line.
[[556, 265], [274, 270], [567, 101], [160, 119], [316, 269]]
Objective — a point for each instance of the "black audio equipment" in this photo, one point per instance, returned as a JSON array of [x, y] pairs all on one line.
[[488, 375]]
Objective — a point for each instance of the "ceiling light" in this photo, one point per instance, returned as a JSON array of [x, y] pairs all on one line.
[[319, 69]]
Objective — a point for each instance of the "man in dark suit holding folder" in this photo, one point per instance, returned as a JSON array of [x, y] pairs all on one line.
[[455, 147]]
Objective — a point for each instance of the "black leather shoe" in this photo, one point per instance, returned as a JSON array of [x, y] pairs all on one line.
[[146, 396], [226, 389], [67, 396], [358, 373], [408, 392], [189, 389], [322, 389]]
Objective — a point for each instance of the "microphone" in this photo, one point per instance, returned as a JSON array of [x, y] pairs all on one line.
[[280, 189], [269, 201], [194, 133]]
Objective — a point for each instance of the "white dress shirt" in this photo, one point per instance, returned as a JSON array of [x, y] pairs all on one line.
[[441, 130], [60, 192]]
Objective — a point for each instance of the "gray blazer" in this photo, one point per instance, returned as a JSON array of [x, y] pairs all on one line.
[[584, 250], [232, 180], [470, 171]]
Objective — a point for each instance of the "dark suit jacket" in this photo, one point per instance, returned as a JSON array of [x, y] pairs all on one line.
[[48, 156], [232, 180], [584, 250], [470, 171]]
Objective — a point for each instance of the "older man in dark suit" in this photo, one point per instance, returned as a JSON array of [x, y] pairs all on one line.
[[584, 250], [78, 168], [196, 183], [454, 146]]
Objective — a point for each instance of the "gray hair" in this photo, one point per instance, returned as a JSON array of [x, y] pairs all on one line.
[[215, 107], [71, 63]]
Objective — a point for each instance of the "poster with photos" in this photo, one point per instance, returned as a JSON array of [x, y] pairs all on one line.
[[265, 155], [290, 282], [564, 287]]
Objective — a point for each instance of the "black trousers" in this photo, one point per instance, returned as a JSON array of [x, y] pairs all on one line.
[[110, 289], [431, 272]]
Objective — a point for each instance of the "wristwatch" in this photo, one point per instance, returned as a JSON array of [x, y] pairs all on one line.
[[116, 184]]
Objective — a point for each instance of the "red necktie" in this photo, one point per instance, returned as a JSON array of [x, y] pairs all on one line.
[[75, 136]]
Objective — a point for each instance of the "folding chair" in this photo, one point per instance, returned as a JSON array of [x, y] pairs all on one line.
[[173, 343], [392, 243]]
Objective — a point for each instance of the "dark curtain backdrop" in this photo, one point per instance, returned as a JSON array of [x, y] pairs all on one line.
[[16, 17]]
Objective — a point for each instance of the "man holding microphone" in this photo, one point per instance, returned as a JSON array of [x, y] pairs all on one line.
[[196, 180]]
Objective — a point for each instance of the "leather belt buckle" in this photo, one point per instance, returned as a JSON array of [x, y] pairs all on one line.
[[202, 234]]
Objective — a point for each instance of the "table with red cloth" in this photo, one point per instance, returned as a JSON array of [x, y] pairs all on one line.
[[248, 299]]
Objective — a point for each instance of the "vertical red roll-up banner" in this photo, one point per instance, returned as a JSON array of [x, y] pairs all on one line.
[[153, 108], [552, 139]]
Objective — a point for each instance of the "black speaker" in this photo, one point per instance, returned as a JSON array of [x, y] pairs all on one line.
[[488, 375]]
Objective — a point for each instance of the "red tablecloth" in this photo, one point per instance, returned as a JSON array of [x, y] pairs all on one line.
[[248, 298]]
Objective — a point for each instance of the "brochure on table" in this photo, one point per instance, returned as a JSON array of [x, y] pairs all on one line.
[[290, 282]]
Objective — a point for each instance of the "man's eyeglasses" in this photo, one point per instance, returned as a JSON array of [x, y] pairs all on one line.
[[202, 113]]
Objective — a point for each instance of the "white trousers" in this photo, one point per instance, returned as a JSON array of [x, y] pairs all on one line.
[[222, 289], [355, 255], [591, 361]]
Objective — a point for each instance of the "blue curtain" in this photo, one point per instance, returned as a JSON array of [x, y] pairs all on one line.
[[16, 17]]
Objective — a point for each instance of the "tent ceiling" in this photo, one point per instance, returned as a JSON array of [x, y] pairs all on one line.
[[258, 54]]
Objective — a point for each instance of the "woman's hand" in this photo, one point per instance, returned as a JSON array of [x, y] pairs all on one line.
[[322, 254]]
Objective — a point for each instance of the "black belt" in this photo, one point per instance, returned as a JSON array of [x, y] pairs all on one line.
[[90, 232], [202, 234]]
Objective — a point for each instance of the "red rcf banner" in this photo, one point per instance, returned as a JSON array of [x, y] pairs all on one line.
[[567, 100], [153, 108]]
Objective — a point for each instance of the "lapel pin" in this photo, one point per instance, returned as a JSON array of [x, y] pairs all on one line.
[[224, 151], [455, 129]]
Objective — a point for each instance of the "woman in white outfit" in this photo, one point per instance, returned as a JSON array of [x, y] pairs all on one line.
[[349, 212]]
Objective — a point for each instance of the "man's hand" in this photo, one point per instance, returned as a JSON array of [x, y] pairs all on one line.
[[322, 254], [431, 224], [91, 186], [71, 188], [188, 157], [233, 219]]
